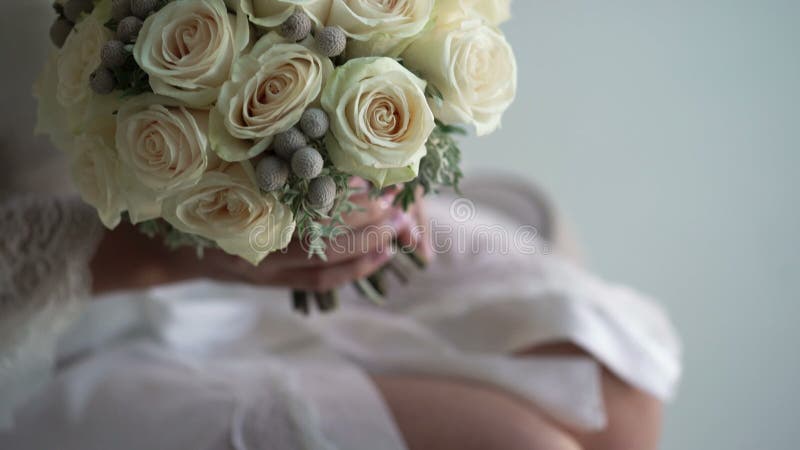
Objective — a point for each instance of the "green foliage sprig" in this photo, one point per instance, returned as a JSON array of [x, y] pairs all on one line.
[[441, 166], [131, 79], [314, 226]]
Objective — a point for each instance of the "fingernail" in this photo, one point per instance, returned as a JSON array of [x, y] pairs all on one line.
[[383, 256], [399, 219], [384, 203], [358, 183], [390, 193]]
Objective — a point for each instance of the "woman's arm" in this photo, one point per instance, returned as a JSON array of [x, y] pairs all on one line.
[[127, 259]]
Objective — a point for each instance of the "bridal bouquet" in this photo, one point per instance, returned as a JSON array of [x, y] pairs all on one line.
[[238, 123]]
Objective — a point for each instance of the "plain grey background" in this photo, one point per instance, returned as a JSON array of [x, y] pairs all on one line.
[[668, 132]]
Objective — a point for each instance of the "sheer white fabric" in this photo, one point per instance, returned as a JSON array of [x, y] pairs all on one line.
[[211, 365]]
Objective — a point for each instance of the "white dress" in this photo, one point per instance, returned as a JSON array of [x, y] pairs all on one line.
[[206, 365]]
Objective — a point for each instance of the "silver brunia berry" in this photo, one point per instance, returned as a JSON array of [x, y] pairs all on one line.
[[120, 9], [314, 123], [113, 54], [128, 28], [102, 81], [271, 173], [287, 142], [321, 193], [143, 8], [307, 163], [331, 41], [74, 8], [60, 31], [296, 27]]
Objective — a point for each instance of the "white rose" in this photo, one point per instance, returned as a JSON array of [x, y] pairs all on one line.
[[473, 67], [188, 48], [380, 120], [95, 116], [268, 92], [163, 148], [52, 119], [380, 28], [271, 13], [79, 57], [66, 102], [227, 207], [66, 106], [493, 12], [95, 173]]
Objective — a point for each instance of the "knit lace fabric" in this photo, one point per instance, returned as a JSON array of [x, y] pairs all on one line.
[[45, 246]]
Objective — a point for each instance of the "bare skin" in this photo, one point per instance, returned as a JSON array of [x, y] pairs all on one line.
[[445, 414], [634, 417], [431, 413], [147, 262]]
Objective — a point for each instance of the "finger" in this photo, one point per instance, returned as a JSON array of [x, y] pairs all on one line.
[[330, 277], [357, 243], [414, 236], [424, 244], [371, 210], [368, 209], [349, 245], [423, 227], [358, 184], [407, 234]]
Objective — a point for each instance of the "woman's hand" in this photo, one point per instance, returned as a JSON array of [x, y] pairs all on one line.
[[365, 247], [127, 259]]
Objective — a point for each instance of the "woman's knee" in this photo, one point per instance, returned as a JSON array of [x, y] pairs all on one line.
[[449, 414], [634, 417]]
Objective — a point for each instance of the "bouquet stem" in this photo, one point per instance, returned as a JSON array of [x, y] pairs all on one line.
[[300, 302], [327, 301], [373, 287]]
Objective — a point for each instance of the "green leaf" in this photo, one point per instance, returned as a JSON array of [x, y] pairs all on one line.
[[309, 226], [441, 166]]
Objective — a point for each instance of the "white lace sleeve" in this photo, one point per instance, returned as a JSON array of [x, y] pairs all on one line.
[[45, 247]]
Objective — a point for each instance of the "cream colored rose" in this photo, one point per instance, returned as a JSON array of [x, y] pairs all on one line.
[[79, 57], [227, 207], [473, 67], [163, 147], [96, 117], [66, 104], [380, 120], [272, 13], [95, 173], [494, 12], [380, 27], [52, 118], [80, 108], [268, 92], [93, 116], [188, 48]]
